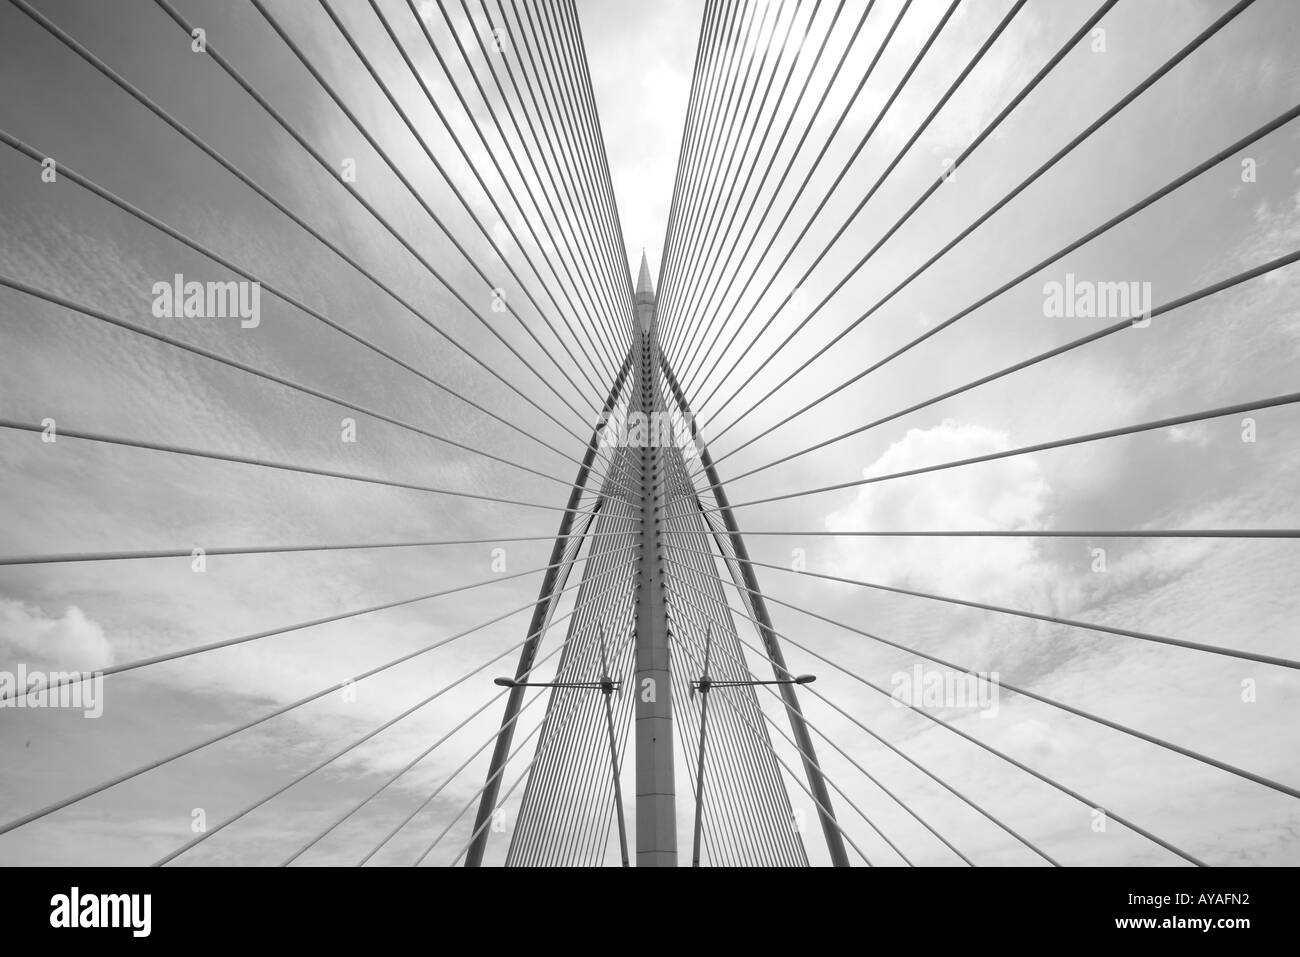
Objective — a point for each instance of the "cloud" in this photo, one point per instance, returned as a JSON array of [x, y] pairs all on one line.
[[1194, 433], [72, 642], [1005, 494]]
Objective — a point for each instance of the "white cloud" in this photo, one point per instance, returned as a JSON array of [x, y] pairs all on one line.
[[1194, 433], [1005, 494], [72, 642]]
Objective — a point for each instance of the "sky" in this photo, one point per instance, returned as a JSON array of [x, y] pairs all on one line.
[[75, 496]]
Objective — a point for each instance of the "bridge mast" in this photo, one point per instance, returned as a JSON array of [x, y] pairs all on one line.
[[656, 807]]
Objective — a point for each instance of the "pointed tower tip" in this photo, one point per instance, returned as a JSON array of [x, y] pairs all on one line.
[[643, 284]]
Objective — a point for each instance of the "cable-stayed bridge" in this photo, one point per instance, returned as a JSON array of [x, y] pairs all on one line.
[[407, 228]]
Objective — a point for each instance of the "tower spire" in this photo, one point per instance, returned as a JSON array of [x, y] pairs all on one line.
[[644, 287], [656, 795], [645, 296]]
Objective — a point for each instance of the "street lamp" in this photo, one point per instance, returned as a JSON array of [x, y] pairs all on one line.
[[704, 685], [606, 685]]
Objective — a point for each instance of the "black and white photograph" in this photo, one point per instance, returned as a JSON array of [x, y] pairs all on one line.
[[650, 433]]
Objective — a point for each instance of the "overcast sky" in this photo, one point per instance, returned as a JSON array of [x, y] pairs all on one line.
[[73, 495]]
